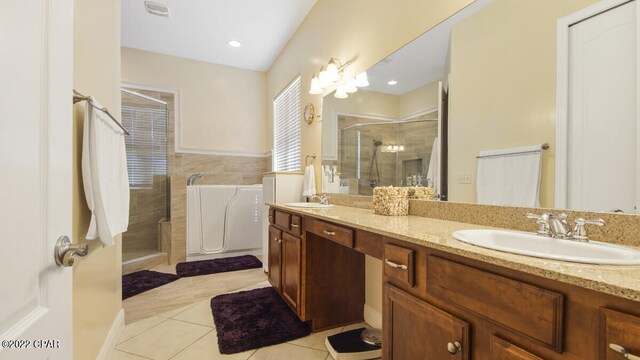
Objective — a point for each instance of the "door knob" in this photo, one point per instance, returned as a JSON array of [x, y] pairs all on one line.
[[65, 251], [454, 347]]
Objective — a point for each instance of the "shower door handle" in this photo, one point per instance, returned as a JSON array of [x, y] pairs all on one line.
[[65, 251]]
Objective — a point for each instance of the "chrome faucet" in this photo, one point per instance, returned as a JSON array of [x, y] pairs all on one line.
[[559, 226], [324, 199], [192, 179], [556, 226]]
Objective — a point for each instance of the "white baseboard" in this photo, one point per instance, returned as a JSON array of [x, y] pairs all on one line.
[[372, 317], [110, 342]]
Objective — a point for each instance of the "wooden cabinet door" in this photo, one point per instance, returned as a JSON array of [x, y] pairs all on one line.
[[416, 330], [275, 258], [618, 331], [503, 350], [291, 262]]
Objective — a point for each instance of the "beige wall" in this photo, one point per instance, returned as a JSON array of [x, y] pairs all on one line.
[[221, 108], [362, 103], [97, 281], [418, 100], [365, 31], [503, 86]]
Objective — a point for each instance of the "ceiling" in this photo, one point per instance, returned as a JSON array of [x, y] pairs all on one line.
[[200, 29], [421, 61]]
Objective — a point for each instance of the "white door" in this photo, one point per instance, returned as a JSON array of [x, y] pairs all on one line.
[[602, 152], [36, 39]]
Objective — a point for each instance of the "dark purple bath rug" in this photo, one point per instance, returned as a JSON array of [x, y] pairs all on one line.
[[253, 319], [141, 281], [205, 267]]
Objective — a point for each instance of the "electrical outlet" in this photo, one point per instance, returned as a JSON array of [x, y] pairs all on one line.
[[464, 179]]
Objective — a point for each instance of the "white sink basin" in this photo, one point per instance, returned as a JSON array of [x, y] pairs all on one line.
[[308, 205], [592, 252]]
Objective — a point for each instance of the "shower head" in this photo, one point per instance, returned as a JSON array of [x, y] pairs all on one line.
[[377, 142]]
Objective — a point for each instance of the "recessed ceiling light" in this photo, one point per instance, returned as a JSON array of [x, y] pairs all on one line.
[[234, 43], [392, 82]]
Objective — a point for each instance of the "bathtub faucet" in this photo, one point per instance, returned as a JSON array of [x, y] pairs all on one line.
[[192, 179]]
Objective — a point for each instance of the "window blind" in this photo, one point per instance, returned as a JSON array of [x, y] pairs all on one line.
[[146, 145], [286, 128]]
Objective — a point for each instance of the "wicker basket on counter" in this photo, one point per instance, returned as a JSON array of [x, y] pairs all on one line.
[[394, 201], [422, 193], [389, 200]]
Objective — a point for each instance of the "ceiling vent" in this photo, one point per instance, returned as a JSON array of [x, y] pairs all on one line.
[[157, 9]]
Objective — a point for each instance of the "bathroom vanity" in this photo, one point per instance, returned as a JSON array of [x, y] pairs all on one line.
[[445, 299]]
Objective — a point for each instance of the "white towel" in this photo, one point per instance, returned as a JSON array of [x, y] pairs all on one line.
[[434, 168], [104, 174], [510, 176], [309, 185]]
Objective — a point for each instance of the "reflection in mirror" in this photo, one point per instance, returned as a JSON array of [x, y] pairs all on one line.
[[502, 63], [382, 153]]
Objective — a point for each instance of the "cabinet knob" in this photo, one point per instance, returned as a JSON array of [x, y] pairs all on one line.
[[619, 349], [278, 240], [454, 347], [295, 225]]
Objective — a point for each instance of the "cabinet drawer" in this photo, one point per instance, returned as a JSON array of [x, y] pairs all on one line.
[[618, 329], [283, 220], [534, 312], [398, 264], [337, 233], [504, 350], [296, 225]]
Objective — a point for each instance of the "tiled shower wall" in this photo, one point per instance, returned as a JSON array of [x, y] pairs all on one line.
[[217, 169]]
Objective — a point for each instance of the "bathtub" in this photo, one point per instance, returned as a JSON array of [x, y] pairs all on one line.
[[223, 220]]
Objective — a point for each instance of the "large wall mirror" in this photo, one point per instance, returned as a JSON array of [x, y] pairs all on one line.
[[521, 103]]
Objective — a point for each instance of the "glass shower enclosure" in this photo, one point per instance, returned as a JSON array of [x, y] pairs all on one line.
[[146, 120], [383, 153]]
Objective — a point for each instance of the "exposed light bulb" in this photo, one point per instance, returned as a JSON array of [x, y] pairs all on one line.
[[362, 80], [340, 93], [316, 89], [401, 148]]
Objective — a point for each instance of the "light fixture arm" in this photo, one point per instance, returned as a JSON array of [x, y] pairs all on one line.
[[339, 64]]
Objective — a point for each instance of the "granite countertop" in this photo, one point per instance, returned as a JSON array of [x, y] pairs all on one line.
[[622, 281]]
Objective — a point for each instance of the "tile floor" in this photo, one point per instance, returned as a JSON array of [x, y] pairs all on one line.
[[175, 322]]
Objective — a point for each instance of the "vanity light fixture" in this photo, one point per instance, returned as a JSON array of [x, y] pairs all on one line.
[[340, 93], [234, 43], [362, 80], [316, 88], [350, 86], [392, 148], [328, 75]]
